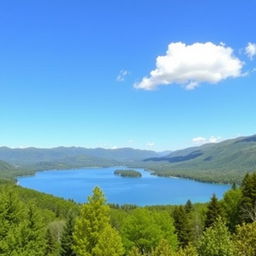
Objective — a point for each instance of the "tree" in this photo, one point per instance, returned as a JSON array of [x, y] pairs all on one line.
[[67, 241], [245, 240], [109, 243], [216, 241], [188, 207], [163, 249], [92, 225], [181, 225], [134, 252], [144, 229], [214, 211], [247, 208], [50, 245], [231, 202], [189, 250]]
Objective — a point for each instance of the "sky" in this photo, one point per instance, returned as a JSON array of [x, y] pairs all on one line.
[[159, 75]]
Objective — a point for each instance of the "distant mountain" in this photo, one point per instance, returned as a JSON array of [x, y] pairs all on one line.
[[77, 155], [226, 161]]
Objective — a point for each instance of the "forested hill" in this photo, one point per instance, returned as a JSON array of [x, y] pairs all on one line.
[[226, 161], [21, 156]]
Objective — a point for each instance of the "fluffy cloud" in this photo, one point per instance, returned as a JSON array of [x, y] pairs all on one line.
[[250, 50], [121, 76], [190, 65], [203, 140]]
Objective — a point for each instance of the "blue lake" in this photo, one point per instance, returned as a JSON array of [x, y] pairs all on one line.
[[147, 190]]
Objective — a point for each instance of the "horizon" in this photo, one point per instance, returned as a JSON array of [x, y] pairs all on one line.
[[147, 75], [126, 147]]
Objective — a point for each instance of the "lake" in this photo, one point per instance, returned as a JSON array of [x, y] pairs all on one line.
[[147, 190]]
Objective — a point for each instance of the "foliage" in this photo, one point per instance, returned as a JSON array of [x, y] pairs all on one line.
[[181, 224], [144, 229], [92, 226], [245, 240], [230, 204], [128, 173], [216, 241], [214, 211]]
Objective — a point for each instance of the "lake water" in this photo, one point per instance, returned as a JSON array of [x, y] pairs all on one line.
[[147, 190]]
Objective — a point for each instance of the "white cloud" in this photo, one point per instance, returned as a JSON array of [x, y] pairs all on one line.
[[250, 50], [191, 65], [121, 76], [202, 140]]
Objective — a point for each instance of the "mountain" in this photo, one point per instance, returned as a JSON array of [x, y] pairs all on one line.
[[8, 171], [226, 161], [31, 156]]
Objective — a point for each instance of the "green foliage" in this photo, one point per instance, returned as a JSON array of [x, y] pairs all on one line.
[[163, 249], [247, 208], [189, 250], [22, 230], [144, 229], [181, 223], [67, 241], [216, 241], [214, 211], [245, 240], [92, 227], [109, 243], [134, 252], [230, 205]]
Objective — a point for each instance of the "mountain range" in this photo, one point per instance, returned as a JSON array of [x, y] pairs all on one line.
[[226, 161]]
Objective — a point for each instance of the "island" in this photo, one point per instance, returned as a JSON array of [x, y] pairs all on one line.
[[128, 173]]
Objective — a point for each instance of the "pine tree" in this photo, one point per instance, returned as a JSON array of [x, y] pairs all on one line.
[[66, 242], [50, 246], [92, 224], [181, 225], [214, 211], [188, 207], [216, 241], [247, 208]]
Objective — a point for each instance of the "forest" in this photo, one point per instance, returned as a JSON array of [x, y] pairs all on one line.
[[128, 173], [34, 223]]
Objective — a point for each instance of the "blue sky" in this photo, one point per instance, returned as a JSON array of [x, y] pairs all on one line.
[[60, 62]]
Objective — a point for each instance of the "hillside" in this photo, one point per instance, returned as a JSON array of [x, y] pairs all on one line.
[[226, 161], [26, 156]]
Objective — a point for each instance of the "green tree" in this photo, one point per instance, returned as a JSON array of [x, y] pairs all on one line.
[[50, 245], [91, 225], [163, 249], [134, 252], [188, 207], [245, 240], [214, 211], [66, 243], [247, 208], [181, 224], [144, 229], [109, 243], [230, 203], [216, 241], [189, 250]]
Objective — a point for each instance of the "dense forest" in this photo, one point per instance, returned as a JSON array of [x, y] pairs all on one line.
[[34, 223], [128, 173]]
